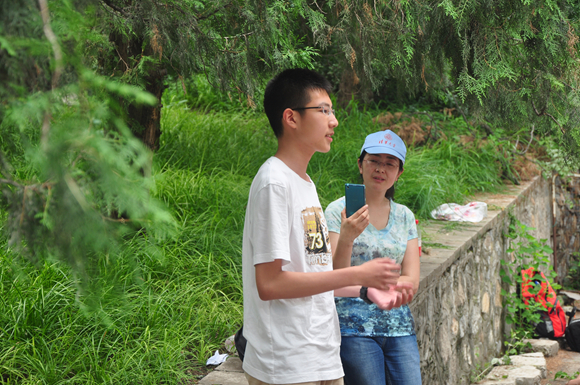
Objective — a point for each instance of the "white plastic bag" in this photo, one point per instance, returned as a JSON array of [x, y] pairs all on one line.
[[216, 359], [471, 212]]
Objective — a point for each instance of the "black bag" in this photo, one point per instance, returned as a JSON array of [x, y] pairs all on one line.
[[240, 342], [573, 332]]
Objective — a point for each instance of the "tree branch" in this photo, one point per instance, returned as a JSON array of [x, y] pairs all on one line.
[[324, 13], [53, 41], [214, 12], [114, 7], [547, 114], [528, 146], [58, 65], [10, 182]]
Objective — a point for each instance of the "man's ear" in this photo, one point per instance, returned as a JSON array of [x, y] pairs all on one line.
[[289, 118]]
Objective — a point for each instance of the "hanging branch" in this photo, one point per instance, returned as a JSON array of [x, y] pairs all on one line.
[[545, 113], [58, 65], [109, 4], [11, 182], [53, 41], [528, 146]]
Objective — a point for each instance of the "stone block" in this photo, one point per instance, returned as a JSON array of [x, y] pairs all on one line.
[[224, 378], [513, 375], [548, 348], [228, 373], [536, 360], [232, 364]]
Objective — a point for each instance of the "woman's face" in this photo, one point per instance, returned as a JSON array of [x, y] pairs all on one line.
[[379, 171]]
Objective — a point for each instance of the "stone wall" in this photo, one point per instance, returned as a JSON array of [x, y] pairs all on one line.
[[460, 320], [567, 222]]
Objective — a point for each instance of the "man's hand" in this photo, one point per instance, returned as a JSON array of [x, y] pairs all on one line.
[[380, 273], [353, 226], [396, 296]]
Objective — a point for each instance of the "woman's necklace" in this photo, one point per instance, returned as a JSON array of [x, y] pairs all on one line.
[[383, 213]]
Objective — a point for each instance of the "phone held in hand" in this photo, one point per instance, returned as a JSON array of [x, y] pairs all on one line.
[[355, 197]]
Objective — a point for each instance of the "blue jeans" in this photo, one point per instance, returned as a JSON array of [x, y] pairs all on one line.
[[380, 360]]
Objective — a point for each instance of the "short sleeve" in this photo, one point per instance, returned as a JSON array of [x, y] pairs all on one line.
[[332, 215], [270, 225]]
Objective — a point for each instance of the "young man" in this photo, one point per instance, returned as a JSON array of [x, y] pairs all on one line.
[[290, 320]]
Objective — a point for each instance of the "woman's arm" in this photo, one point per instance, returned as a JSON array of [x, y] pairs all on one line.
[[411, 265]]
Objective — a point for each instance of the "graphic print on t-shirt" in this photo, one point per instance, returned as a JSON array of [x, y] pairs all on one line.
[[316, 241]]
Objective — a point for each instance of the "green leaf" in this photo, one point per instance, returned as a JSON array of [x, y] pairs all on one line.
[[5, 44]]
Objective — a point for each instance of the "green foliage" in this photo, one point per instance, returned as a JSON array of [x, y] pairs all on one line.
[[515, 345], [572, 280], [557, 160], [199, 94], [480, 371], [526, 252], [566, 376], [75, 180], [233, 42]]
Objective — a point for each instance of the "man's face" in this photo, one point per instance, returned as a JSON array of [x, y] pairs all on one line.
[[315, 126]]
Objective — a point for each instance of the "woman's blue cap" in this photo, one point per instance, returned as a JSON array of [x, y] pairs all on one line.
[[385, 142]]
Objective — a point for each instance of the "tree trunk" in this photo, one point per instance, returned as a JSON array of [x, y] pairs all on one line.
[[145, 121]]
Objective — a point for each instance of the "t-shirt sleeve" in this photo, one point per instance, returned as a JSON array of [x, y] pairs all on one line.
[[332, 215], [270, 225]]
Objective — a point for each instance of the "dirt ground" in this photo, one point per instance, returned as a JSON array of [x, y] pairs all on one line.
[[566, 361]]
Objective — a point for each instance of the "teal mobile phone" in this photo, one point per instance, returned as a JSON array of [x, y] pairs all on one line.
[[355, 197]]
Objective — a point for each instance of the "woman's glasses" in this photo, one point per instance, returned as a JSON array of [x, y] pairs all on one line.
[[388, 165]]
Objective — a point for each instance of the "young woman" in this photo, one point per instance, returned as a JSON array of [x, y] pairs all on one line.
[[379, 346]]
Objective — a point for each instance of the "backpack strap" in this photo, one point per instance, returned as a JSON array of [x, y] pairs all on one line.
[[571, 314]]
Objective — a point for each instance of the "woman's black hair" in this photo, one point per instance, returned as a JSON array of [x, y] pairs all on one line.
[[390, 194]]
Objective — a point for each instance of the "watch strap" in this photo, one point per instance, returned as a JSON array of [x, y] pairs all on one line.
[[364, 295]]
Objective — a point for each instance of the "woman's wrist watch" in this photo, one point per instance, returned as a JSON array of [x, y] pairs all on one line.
[[364, 295]]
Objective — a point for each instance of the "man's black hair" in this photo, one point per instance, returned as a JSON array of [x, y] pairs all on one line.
[[290, 89]]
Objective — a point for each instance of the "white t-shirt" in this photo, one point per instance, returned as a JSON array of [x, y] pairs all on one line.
[[293, 340]]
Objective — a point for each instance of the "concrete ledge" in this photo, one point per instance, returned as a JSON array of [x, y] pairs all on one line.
[[459, 241]]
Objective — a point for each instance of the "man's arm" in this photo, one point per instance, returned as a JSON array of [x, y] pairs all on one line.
[[275, 283]]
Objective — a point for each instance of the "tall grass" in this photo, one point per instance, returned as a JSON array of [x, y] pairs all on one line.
[[158, 320]]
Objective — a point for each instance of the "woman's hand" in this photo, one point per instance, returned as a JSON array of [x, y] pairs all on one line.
[[353, 226], [397, 295]]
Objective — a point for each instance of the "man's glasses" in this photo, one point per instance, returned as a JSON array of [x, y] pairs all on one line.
[[326, 110], [389, 165]]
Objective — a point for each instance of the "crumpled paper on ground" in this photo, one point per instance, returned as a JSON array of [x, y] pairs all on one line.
[[216, 359], [471, 212]]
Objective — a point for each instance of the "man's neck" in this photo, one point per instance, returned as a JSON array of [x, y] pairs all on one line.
[[295, 159]]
